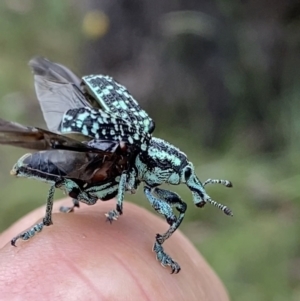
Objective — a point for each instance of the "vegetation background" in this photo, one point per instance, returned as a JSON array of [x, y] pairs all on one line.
[[221, 80]]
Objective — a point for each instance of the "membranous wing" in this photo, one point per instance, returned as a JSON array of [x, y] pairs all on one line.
[[15, 134], [115, 98], [84, 168], [58, 90], [73, 108], [90, 162]]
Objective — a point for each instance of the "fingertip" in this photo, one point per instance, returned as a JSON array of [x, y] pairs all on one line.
[[81, 250]]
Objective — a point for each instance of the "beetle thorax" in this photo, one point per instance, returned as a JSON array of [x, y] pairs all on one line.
[[160, 163]]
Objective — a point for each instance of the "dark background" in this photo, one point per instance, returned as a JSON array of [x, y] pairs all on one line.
[[220, 79]]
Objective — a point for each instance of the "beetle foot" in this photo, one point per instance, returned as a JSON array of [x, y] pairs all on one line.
[[28, 234], [112, 216], [65, 209], [165, 259]]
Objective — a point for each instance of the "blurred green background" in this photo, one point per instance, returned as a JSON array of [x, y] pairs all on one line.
[[221, 80]]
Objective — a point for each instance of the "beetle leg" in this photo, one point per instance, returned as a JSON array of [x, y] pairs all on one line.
[[132, 182], [47, 220], [86, 198], [121, 191], [74, 191], [163, 205], [115, 213], [174, 200]]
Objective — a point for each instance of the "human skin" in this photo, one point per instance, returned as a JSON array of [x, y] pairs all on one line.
[[83, 257]]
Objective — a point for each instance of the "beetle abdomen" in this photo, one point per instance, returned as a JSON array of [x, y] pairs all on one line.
[[37, 166]]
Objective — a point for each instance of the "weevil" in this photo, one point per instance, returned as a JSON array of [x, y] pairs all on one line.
[[99, 146]]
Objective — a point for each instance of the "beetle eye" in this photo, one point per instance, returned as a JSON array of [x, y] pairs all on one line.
[[187, 173]]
